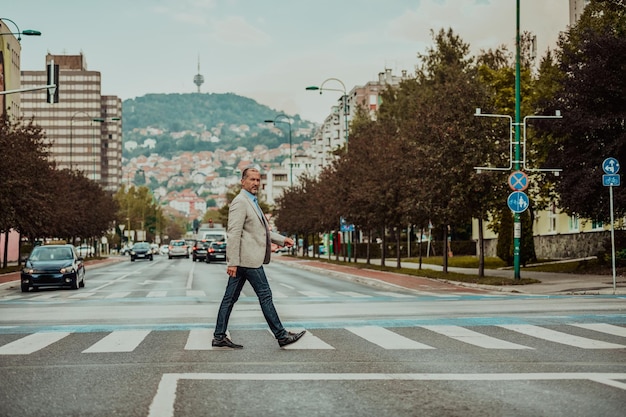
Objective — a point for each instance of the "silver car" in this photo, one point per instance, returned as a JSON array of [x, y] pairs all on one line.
[[178, 249]]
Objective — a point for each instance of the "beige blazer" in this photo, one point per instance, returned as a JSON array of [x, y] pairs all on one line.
[[249, 238]]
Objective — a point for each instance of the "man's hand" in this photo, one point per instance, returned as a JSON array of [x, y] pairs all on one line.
[[231, 271], [288, 242]]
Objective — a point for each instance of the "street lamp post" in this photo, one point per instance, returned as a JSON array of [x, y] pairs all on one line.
[[344, 99], [19, 33], [287, 121]]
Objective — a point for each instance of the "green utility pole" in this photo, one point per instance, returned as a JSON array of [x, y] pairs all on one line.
[[517, 225]]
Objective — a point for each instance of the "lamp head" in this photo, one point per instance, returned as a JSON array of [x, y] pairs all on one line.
[[314, 88], [31, 32]]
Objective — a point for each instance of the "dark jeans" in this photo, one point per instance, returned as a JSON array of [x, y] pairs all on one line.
[[256, 277]]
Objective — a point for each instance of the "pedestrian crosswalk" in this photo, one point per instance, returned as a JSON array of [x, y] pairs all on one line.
[[281, 293], [510, 337]]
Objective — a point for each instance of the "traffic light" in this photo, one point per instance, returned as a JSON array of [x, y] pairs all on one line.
[[53, 79]]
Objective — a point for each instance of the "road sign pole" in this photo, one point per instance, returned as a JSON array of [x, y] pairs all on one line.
[[612, 235], [611, 179]]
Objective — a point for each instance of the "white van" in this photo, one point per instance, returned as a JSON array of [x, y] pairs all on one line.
[[215, 236]]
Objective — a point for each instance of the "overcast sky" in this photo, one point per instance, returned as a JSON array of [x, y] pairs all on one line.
[[268, 50]]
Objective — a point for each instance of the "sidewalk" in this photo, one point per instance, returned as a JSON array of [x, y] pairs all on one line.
[[551, 283]]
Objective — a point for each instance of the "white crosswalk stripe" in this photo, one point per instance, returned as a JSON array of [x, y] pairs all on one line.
[[603, 328], [560, 337], [307, 342], [32, 343], [119, 341], [82, 295], [196, 293], [157, 294], [118, 294], [386, 338], [474, 338]]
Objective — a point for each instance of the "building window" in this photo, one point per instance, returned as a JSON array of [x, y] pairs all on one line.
[[597, 225], [552, 216], [574, 223]]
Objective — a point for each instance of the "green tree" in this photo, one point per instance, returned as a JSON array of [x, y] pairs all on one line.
[[592, 97]]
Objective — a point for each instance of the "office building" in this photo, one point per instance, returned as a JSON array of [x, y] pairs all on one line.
[[84, 127]]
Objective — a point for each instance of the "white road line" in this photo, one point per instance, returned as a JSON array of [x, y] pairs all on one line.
[[394, 294], [307, 342], [278, 294], [287, 286], [82, 295], [196, 293], [119, 341], [11, 297], [313, 294], [32, 343], [474, 338], [559, 337], [165, 398], [156, 294], [386, 338], [190, 276], [603, 328], [353, 294], [199, 339], [118, 294], [45, 296]]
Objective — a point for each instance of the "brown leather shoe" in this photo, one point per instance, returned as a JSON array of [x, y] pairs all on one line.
[[225, 343], [290, 338]]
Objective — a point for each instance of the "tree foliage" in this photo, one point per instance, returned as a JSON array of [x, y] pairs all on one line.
[[591, 94], [40, 201]]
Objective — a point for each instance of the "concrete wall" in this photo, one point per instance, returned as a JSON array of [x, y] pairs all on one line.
[[563, 246]]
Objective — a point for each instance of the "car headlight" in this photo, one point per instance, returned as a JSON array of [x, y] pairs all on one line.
[[29, 270], [67, 270], [132, 252]]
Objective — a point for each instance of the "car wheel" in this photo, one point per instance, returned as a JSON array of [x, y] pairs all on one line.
[[25, 287], [151, 258]]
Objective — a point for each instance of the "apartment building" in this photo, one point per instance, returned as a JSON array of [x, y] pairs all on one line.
[[84, 127], [576, 8], [332, 134], [10, 50]]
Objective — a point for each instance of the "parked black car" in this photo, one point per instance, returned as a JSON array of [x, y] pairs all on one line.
[[53, 266], [141, 250], [199, 250], [216, 252]]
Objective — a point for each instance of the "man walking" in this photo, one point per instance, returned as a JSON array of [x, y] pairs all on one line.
[[248, 248]]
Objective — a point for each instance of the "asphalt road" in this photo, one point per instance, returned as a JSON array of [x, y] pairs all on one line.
[[136, 342]]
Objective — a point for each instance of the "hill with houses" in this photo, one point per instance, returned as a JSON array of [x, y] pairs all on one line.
[[190, 148]]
